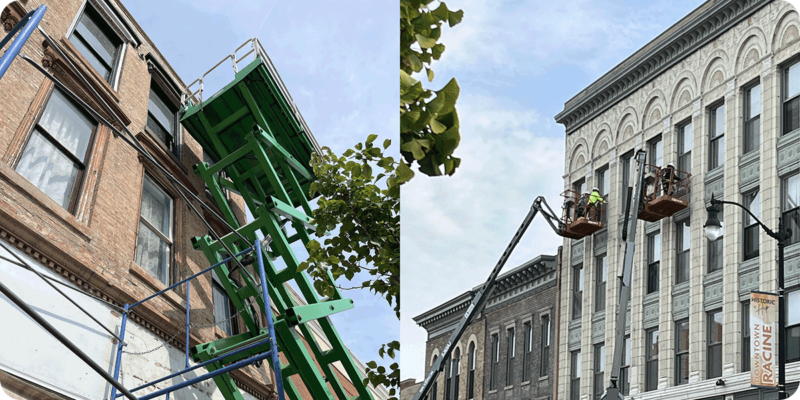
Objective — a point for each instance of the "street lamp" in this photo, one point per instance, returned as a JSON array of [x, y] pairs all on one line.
[[713, 228]]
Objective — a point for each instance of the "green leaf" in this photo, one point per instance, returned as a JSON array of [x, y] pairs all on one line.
[[425, 42], [455, 17], [404, 174], [387, 143], [430, 74], [371, 138]]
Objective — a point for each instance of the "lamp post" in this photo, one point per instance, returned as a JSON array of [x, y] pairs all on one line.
[[713, 228]]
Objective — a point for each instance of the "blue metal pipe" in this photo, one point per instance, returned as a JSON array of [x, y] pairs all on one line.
[[245, 251], [203, 364], [25, 28], [119, 350], [209, 375], [188, 307], [276, 362]]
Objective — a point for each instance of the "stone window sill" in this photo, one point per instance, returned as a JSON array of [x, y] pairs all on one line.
[[156, 285]]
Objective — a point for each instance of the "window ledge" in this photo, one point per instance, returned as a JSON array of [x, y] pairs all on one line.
[[544, 378], [37, 196], [156, 285], [526, 383], [492, 391], [508, 387], [162, 148]]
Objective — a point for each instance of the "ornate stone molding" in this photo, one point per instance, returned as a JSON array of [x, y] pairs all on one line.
[[11, 15], [702, 26], [57, 59]]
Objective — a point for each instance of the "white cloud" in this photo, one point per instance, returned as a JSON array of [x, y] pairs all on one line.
[[527, 38], [455, 228]]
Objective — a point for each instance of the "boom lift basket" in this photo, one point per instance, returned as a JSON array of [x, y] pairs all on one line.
[[580, 218], [663, 197]]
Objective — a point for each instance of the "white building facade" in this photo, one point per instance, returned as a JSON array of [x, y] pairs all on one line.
[[716, 94]]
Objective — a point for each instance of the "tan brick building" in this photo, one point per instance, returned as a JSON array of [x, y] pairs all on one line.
[[715, 94], [508, 351], [85, 208]]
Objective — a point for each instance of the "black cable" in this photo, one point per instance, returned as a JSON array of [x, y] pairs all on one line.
[[64, 284], [59, 291]]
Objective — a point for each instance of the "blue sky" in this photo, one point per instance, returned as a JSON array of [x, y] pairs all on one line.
[[517, 64], [339, 62]]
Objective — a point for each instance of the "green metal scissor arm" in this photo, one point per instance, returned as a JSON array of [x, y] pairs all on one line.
[[257, 137]]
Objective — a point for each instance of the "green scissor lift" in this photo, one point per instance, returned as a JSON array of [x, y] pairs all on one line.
[[253, 131]]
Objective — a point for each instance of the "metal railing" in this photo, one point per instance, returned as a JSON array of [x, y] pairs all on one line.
[[194, 97]]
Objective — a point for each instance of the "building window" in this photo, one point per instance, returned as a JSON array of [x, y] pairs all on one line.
[[577, 291], [471, 373], [457, 372], [435, 387], [579, 186], [789, 206], [162, 118], [626, 165], [653, 261], [511, 350], [651, 360], [752, 118], [684, 244], [545, 367], [685, 133], [603, 184], [448, 380], [656, 154], [526, 360], [625, 369], [55, 157], [599, 369], [681, 352], [752, 201], [495, 361], [154, 243], [716, 137], [745, 336], [793, 326], [791, 98], [222, 306], [601, 277], [714, 353], [575, 376], [715, 249], [97, 43]]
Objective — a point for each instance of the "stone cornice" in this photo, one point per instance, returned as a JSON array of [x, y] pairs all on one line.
[[701, 26], [519, 276]]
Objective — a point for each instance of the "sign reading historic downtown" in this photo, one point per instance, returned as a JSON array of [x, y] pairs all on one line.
[[763, 335]]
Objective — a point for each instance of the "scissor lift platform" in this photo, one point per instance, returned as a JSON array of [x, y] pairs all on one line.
[[255, 97], [662, 201]]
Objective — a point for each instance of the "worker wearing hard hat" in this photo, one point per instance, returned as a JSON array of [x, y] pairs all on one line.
[[595, 200]]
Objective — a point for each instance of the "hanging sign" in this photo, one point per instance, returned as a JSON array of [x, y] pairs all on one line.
[[763, 337]]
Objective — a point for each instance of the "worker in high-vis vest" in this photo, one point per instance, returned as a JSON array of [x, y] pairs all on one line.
[[596, 201]]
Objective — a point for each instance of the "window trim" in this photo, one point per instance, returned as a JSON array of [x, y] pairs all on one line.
[[599, 369], [681, 139], [679, 253], [718, 242], [545, 348], [714, 139], [600, 296], [652, 262], [795, 238], [745, 337], [649, 358], [756, 193], [679, 353], [577, 282], [747, 104], [77, 187], [169, 274], [177, 135], [511, 352], [784, 69], [119, 58], [709, 344]]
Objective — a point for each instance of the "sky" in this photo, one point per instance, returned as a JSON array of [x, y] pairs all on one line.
[[340, 67], [517, 63]]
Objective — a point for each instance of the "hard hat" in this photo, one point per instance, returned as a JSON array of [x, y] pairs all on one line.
[[670, 165], [595, 189]]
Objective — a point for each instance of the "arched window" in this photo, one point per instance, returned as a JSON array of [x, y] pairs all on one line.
[[435, 387], [456, 366], [471, 368], [448, 379]]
